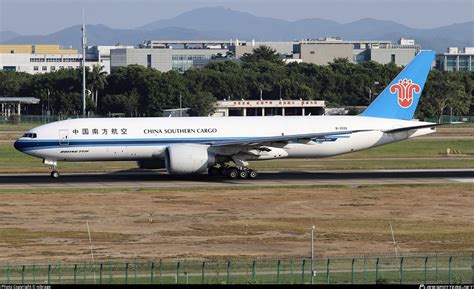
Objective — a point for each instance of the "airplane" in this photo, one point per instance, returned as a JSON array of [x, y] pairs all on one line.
[[196, 145]]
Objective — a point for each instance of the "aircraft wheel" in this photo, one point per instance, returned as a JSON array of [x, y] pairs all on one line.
[[223, 171], [252, 174], [233, 174], [243, 174], [213, 172], [55, 174]]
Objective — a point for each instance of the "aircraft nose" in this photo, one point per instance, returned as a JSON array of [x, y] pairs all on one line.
[[16, 145]]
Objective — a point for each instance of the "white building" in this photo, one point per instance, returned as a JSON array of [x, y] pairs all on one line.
[[456, 59], [101, 55], [49, 58], [164, 59], [269, 107], [39, 58], [41, 63]]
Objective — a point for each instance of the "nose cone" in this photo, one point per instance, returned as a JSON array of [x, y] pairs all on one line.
[[16, 145]]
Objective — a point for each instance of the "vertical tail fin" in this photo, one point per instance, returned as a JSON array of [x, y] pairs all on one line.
[[400, 98]]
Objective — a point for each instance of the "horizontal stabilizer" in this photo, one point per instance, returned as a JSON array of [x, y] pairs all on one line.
[[410, 128]]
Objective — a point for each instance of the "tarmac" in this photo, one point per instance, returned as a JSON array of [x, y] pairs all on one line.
[[159, 179]]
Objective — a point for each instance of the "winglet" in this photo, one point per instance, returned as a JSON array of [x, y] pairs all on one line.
[[400, 98]]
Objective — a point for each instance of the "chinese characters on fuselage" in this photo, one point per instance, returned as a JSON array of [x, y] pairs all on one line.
[[100, 131]]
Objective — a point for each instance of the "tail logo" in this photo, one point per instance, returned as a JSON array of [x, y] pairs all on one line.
[[404, 89]]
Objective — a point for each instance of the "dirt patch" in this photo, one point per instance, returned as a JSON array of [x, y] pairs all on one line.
[[47, 225]]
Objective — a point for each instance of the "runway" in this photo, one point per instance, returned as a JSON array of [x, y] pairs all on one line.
[[265, 178]]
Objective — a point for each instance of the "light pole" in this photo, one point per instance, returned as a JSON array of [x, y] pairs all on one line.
[[312, 253], [84, 41], [48, 112]]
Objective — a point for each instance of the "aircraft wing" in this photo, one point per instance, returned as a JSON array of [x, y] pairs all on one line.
[[305, 137], [280, 138]]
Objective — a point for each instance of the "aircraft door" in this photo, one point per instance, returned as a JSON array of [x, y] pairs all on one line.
[[63, 137]]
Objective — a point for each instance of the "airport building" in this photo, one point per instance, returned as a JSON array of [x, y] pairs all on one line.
[[49, 58], [325, 50], [238, 48], [37, 58], [180, 55], [101, 55], [322, 52], [269, 107], [456, 59], [12, 105], [169, 55]]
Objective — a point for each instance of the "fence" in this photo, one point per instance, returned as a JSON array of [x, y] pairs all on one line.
[[432, 268], [34, 119], [454, 118]]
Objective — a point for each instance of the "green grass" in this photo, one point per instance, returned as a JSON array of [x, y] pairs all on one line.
[[411, 154], [416, 148], [325, 164], [17, 236], [18, 127]]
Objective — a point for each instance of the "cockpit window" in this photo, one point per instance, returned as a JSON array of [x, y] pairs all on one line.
[[30, 135]]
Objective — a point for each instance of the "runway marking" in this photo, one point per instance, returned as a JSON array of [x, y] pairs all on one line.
[[462, 180]]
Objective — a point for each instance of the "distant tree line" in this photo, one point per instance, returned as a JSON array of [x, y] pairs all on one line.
[[140, 91]]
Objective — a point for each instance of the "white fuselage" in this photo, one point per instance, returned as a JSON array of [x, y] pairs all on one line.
[[121, 139]]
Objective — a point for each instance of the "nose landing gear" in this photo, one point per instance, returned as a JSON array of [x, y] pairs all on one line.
[[53, 164]]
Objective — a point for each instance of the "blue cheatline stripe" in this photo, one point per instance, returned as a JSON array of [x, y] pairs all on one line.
[[27, 145], [138, 139], [32, 145]]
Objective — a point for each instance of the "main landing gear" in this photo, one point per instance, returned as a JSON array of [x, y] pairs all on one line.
[[233, 172]]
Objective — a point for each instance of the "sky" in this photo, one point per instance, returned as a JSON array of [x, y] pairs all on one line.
[[29, 17]]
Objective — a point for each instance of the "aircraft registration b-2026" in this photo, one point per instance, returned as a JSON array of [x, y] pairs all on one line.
[[200, 144]]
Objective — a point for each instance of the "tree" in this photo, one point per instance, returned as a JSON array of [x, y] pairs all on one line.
[[13, 83], [447, 91], [125, 103], [96, 80], [260, 53], [201, 104], [142, 91]]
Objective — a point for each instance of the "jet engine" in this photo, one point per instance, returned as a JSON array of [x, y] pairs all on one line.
[[188, 158]]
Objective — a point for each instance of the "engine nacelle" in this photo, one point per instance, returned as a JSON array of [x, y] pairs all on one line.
[[151, 164], [188, 158]]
